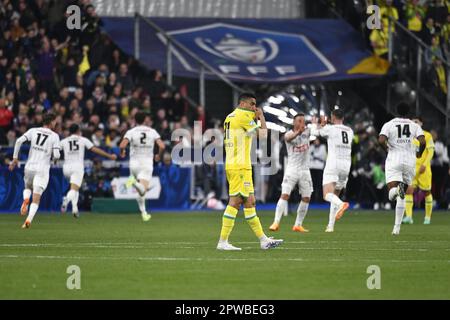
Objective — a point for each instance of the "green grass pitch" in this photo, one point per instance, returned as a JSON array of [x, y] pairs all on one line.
[[173, 257]]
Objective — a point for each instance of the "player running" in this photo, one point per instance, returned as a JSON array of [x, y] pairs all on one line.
[[422, 180], [335, 175], [73, 147], [240, 126], [44, 144], [142, 140], [297, 172], [396, 137]]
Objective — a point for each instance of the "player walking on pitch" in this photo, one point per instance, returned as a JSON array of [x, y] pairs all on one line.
[[297, 172], [73, 149], [44, 144], [142, 140], [422, 180], [240, 126], [335, 175], [396, 137]]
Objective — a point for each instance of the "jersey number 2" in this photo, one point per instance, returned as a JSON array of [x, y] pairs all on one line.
[[40, 142], [143, 137]]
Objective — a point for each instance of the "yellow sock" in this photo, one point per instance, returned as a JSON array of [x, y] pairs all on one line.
[[409, 204], [228, 222], [428, 206], [253, 221]]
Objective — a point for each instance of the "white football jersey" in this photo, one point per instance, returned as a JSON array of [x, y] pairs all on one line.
[[400, 134], [298, 151], [339, 139], [142, 141], [74, 147], [42, 142]]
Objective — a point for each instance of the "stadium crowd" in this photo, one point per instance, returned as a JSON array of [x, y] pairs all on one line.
[[84, 78]]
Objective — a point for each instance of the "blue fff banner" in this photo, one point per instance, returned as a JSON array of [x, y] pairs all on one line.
[[249, 50], [175, 191]]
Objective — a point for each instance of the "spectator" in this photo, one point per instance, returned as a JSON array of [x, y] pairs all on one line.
[[433, 52], [429, 32], [388, 11], [415, 13], [439, 167], [125, 78], [6, 117], [439, 79]]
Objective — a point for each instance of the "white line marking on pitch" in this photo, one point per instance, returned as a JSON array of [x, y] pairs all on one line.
[[208, 259]]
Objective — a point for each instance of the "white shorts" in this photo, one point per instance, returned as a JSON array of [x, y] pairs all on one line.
[[400, 172], [300, 177], [38, 180], [74, 175], [337, 176], [141, 172]]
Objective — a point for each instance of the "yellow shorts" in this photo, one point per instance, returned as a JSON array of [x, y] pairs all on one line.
[[240, 182], [422, 181]]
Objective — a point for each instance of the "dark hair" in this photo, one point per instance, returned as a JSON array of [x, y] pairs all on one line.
[[299, 115], [140, 117], [403, 109], [338, 113], [418, 117], [74, 128], [48, 118], [246, 96]]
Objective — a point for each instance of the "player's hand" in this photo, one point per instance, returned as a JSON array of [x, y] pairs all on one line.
[[123, 153], [157, 158], [259, 113], [323, 121], [113, 157], [13, 164], [422, 169]]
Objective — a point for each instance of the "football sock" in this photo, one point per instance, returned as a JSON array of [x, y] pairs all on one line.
[[428, 206], [281, 208], [399, 211], [332, 218], [393, 193], [253, 221], [75, 201], [33, 209], [140, 188], [409, 204], [229, 216], [141, 203], [26, 194], [334, 199], [301, 213]]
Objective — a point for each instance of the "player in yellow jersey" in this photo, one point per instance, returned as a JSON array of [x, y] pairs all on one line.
[[422, 180], [239, 128]]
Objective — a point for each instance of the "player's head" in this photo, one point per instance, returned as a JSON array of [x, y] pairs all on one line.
[[418, 119], [247, 100], [299, 122], [140, 118], [403, 109], [49, 120], [337, 115], [74, 129]]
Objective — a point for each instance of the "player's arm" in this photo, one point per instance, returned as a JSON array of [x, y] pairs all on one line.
[[102, 153], [382, 140], [291, 135], [422, 146], [123, 146], [161, 147], [15, 160], [262, 130]]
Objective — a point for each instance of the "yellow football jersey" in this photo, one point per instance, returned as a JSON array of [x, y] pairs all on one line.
[[428, 148], [239, 126]]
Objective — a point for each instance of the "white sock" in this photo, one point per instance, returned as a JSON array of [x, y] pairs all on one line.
[[26, 194], [281, 208], [264, 238], [70, 195], [140, 188], [399, 211], [301, 213], [334, 199], [332, 217], [75, 201], [141, 204], [393, 194], [33, 209]]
